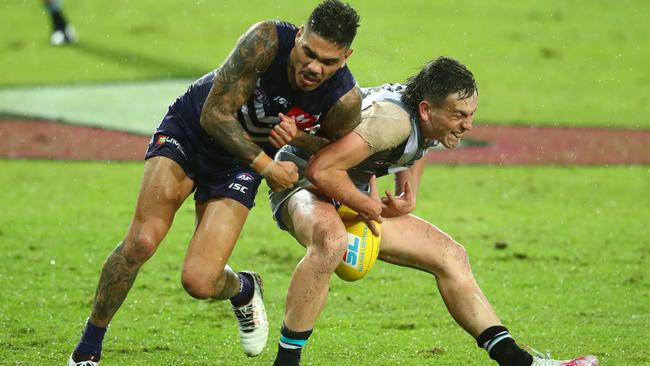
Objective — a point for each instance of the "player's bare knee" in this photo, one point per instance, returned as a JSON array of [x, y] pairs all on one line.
[[140, 248], [328, 247], [202, 285], [331, 233], [145, 247], [460, 254], [196, 285], [457, 260]]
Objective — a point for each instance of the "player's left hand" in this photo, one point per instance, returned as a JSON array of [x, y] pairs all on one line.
[[284, 132], [393, 206]]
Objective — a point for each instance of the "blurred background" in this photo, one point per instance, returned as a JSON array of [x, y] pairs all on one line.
[[539, 62]]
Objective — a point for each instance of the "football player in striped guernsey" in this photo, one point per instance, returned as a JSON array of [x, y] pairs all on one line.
[[399, 124]]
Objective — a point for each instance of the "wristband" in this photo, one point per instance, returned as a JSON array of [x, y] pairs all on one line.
[[256, 158], [262, 163]]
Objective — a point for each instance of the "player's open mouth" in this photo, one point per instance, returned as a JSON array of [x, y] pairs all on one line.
[[308, 80], [453, 139]]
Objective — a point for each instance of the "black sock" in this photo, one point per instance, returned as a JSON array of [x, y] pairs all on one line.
[[90, 345], [246, 289], [290, 347], [502, 348], [58, 21]]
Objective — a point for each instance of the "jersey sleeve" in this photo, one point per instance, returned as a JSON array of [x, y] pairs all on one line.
[[383, 126]]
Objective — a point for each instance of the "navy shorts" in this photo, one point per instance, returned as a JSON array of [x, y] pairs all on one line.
[[214, 174]]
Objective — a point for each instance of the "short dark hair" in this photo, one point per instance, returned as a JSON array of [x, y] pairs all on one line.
[[334, 21], [436, 81]]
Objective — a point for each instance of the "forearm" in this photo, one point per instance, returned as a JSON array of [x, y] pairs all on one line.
[[402, 178], [230, 135], [336, 184], [309, 142], [412, 175], [233, 83]]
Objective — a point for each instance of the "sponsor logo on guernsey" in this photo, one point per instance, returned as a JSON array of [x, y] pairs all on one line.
[[304, 120], [260, 96], [282, 101], [246, 177], [162, 139]]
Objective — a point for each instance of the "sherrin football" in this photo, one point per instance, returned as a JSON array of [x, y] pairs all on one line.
[[362, 250]]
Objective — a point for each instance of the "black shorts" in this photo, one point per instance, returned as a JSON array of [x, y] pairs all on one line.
[[214, 174]]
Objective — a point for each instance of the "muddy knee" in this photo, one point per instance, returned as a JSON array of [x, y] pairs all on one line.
[[328, 248], [456, 261]]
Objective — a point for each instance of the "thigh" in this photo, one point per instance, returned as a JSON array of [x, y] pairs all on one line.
[[218, 225], [413, 242], [164, 188], [313, 220]]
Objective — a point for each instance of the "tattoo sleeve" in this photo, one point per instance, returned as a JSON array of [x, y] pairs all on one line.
[[117, 278], [233, 84], [343, 117]]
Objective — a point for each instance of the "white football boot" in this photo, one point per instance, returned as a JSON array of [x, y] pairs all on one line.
[[545, 360], [72, 362], [253, 325], [63, 36]]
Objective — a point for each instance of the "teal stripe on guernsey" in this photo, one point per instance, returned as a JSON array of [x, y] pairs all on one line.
[[295, 342]]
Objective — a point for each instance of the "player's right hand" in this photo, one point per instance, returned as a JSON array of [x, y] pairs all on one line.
[[284, 132], [283, 175], [371, 214]]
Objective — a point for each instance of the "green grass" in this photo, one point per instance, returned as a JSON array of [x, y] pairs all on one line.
[[553, 62], [573, 279]]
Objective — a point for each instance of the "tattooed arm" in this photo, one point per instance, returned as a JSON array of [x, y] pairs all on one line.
[[342, 118], [233, 84]]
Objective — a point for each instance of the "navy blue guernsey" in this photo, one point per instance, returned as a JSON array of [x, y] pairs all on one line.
[[272, 95]]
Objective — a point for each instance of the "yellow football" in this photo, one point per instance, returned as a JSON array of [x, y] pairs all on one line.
[[362, 250]]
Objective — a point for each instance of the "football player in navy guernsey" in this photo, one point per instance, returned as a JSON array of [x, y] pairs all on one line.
[[399, 123], [215, 141]]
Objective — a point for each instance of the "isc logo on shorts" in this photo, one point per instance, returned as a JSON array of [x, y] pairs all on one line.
[[238, 187], [246, 177]]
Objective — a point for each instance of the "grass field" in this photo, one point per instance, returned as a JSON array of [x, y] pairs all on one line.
[[573, 279]]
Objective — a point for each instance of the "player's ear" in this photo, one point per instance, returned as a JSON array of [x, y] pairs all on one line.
[[301, 30], [424, 108], [346, 55]]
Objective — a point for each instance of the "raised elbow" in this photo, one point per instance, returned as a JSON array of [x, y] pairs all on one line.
[[315, 172]]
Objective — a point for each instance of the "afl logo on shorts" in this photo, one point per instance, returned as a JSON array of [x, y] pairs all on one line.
[[246, 177]]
